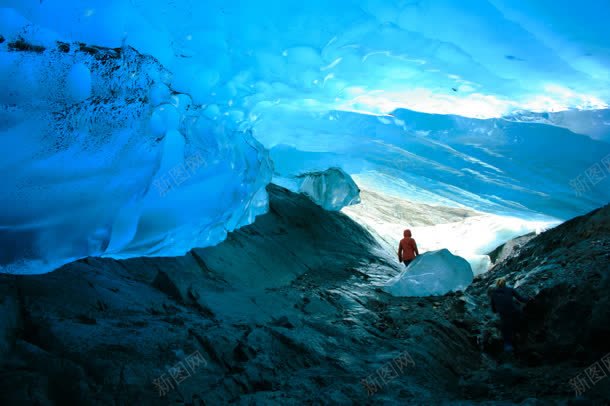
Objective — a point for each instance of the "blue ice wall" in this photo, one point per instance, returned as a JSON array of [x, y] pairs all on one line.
[[101, 156], [133, 127], [494, 165]]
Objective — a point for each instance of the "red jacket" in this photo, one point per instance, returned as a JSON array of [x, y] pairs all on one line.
[[407, 249]]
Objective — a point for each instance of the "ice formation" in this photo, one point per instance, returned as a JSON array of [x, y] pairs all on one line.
[[432, 273], [102, 157], [333, 189], [493, 165], [106, 105]]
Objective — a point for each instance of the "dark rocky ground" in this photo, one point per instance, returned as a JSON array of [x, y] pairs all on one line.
[[289, 311]]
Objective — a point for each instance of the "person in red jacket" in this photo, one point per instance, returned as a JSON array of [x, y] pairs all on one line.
[[407, 249]]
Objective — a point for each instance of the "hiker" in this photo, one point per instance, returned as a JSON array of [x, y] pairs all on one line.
[[407, 249], [510, 313]]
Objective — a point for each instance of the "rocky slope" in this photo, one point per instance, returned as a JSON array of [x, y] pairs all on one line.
[[289, 311], [566, 272], [285, 311]]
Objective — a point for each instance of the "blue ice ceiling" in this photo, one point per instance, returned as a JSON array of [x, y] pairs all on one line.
[[148, 127], [493, 56]]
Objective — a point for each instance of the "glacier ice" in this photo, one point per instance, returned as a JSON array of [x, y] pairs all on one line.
[[359, 55], [333, 189], [101, 157], [105, 104], [430, 274], [493, 165]]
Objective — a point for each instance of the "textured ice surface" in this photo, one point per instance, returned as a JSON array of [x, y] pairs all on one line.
[[432, 273], [470, 57], [492, 165], [333, 189], [101, 157], [92, 137]]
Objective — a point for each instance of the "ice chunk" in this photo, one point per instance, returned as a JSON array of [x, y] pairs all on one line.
[[432, 273], [332, 189]]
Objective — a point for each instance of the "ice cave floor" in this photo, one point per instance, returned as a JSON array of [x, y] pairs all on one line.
[[289, 310]]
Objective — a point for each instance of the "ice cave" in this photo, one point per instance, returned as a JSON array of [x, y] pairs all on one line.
[[255, 163]]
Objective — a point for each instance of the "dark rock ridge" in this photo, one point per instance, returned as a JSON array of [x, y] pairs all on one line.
[[566, 272], [289, 311]]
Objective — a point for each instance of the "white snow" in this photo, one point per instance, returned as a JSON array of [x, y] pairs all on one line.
[[469, 234]]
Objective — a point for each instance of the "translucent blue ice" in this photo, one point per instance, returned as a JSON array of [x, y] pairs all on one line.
[[432, 273], [100, 156], [333, 189], [143, 127], [493, 165], [478, 58]]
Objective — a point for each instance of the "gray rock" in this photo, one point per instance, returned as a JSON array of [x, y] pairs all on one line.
[[289, 311]]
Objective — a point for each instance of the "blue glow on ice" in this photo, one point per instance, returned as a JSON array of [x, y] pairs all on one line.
[[89, 135], [363, 55]]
